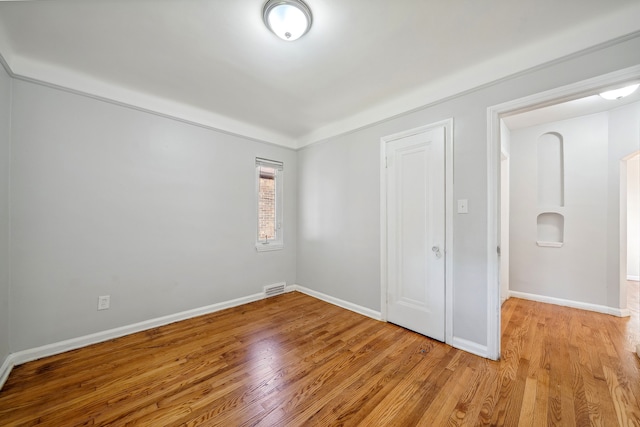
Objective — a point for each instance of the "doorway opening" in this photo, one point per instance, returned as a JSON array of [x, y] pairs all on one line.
[[553, 213]]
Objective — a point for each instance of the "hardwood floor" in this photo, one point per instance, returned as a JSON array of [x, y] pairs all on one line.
[[292, 360]]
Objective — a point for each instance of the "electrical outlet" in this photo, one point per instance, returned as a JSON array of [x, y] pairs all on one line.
[[103, 302]]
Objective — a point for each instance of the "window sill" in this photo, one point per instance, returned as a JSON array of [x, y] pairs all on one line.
[[265, 247]]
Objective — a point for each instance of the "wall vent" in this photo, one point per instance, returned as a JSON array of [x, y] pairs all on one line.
[[275, 289]]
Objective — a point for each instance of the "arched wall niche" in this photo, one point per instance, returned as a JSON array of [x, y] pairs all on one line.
[[551, 170]]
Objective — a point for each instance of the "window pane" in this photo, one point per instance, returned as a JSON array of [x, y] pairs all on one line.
[[269, 236], [267, 204]]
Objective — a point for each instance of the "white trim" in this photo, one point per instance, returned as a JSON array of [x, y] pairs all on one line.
[[569, 92], [8, 363], [164, 108], [447, 124], [457, 342], [549, 244], [448, 238], [277, 243], [270, 246], [595, 35], [550, 97], [52, 349], [470, 347], [494, 153], [618, 312], [29, 355], [525, 59], [383, 230], [601, 34], [5, 369], [336, 301], [67, 80], [633, 278]]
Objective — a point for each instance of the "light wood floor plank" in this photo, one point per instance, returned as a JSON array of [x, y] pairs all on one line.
[[293, 360]]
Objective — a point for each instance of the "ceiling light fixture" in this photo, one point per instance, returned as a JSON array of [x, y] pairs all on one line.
[[287, 19], [619, 93]]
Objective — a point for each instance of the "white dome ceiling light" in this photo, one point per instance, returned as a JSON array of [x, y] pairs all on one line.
[[619, 93], [287, 19]]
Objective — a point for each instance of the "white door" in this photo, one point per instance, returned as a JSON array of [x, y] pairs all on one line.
[[416, 232]]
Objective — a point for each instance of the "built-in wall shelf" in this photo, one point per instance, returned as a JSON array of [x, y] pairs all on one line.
[[550, 230], [550, 244]]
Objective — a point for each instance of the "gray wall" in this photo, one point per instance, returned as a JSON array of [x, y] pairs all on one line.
[[109, 200], [5, 181], [339, 205]]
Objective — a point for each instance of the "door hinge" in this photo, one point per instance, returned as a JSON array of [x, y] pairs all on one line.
[[386, 162], [498, 250]]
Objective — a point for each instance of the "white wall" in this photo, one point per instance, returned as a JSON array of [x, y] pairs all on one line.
[[109, 200], [592, 274], [577, 271], [339, 202], [633, 218], [5, 179]]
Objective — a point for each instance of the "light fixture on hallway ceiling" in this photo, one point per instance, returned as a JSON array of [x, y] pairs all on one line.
[[287, 19], [619, 93]]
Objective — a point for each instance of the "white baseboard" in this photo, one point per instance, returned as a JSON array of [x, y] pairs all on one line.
[[336, 301], [470, 347], [29, 355], [633, 278], [459, 343], [5, 369], [618, 312]]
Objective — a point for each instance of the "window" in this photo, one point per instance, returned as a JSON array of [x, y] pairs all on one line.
[[269, 198]]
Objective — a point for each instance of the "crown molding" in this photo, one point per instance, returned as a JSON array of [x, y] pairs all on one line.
[[81, 84], [594, 35]]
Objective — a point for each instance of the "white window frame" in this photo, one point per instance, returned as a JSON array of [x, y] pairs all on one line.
[[278, 242]]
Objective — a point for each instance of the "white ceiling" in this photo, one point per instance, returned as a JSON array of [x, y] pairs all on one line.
[[214, 62]]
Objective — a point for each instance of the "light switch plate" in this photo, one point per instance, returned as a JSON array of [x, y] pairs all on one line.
[[463, 206]]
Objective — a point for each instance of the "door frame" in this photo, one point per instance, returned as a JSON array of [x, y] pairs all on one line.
[[448, 209], [494, 113]]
